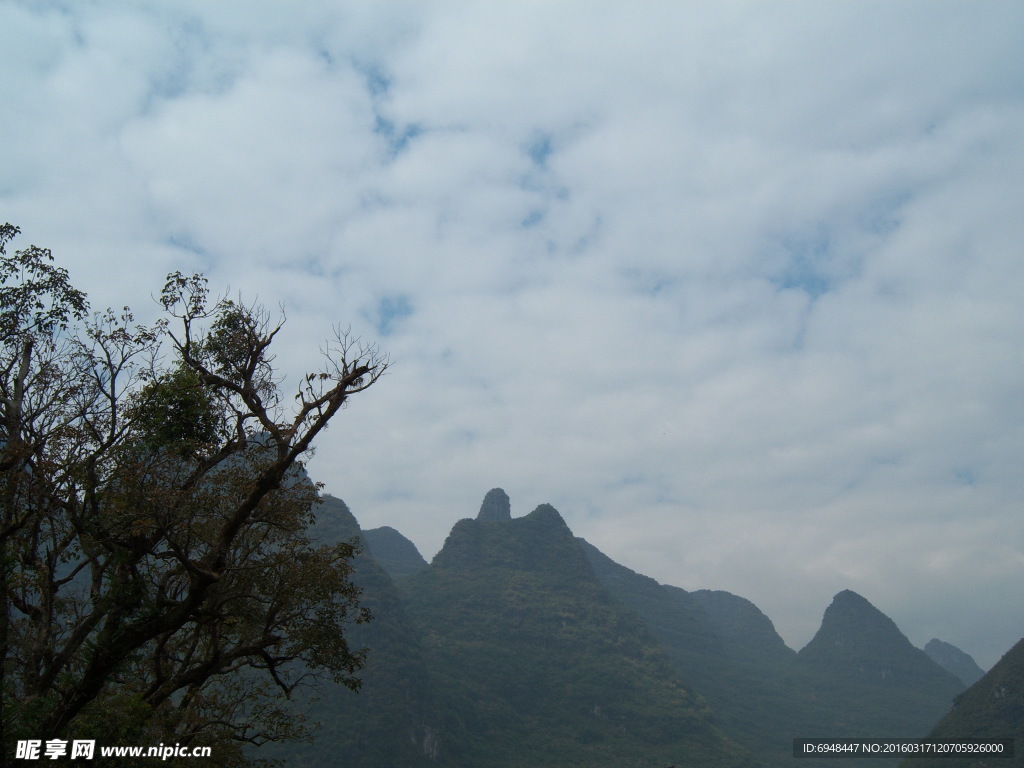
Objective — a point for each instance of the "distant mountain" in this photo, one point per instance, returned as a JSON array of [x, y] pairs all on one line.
[[859, 642], [537, 665], [673, 615], [762, 693], [393, 719], [393, 552], [992, 708], [521, 645], [752, 694], [952, 659], [747, 633], [719, 644], [864, 676], [859, 675]]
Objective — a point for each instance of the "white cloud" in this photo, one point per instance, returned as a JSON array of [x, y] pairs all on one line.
[[734, 286]]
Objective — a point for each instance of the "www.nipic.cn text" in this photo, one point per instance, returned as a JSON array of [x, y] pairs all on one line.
[[85, 749]]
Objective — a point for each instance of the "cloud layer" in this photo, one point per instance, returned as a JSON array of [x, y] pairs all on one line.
[[736, 287]]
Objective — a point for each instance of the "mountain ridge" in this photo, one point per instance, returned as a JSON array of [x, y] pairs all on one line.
[[521, 644], [537, 659], [992, 708], [954, 660], [393, 552]]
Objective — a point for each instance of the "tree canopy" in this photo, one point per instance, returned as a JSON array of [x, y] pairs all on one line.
[[157, 577]]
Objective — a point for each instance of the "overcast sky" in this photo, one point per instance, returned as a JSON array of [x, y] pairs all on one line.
[[736, 286]]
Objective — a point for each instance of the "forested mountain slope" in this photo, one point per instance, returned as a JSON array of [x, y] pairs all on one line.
[[521, 645], [992, 708]]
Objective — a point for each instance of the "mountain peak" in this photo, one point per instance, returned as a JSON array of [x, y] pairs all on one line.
[[546, 513], [848, 599], [540, 540], [393, 552], [852, 621], [857, 640], [496, 507], [952, 659], [989, 709]]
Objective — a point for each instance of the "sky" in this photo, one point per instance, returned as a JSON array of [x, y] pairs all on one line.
[[737, 287]]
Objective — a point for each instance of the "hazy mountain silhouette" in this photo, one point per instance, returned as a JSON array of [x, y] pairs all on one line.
[[393, 720], [952, 659], [536, 664], [992, 708], [865, 677], [393, 552], [521, 645]]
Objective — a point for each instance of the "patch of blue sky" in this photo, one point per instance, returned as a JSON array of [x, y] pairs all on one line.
[[465, 436], [396, 139], [590, 237], [377, 83], [186, 242], [801, 276], [541, 183], [311, 264], [648, 281], [821, 257], [374, 199], [195, 254], [813, 261], [533, 218], [394, 493], [192, 67], [885, 215], [653, 488], [389, 311], [539, 177], [378, 86], [167, 85], [539, 149], [965, 476], [627, 480]]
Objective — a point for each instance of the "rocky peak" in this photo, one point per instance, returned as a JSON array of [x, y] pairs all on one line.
[[496, 507], [858, 640], [854, 624]]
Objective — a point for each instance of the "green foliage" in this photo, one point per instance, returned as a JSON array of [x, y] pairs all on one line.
[[36, 297], [177, 413]]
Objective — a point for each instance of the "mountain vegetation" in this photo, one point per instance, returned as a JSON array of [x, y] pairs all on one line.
[[392, 720], [992, 708], [522, 645], [859, 655], [533, 659]]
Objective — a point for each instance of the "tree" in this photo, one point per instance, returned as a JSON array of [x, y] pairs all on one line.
[[157, 579]]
